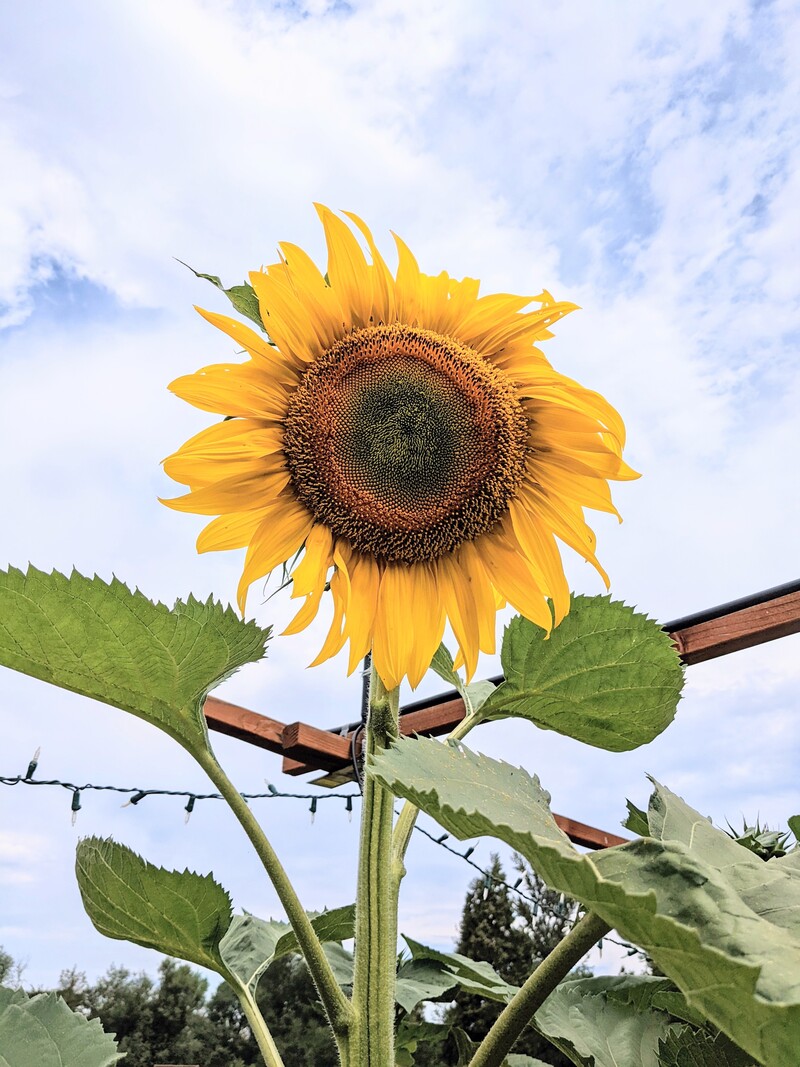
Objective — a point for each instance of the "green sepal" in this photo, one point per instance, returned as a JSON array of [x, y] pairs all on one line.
[[103, 641], [243, 297], [607, 676]]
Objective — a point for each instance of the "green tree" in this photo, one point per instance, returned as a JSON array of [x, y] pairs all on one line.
[[513, 934], [489, 932]]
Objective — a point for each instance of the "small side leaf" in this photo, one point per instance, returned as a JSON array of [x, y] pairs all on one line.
[[43, 1032], [243, 297], [474, 976], [419, 980], [248, 948], [475, 694], [334, 925], [178, 913], [636, 821], [606, 676], [103, 641]]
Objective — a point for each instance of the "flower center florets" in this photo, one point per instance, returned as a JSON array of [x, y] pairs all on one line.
[[405, 442]]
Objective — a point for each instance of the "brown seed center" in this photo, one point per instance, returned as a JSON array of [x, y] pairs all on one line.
[[405, 442]]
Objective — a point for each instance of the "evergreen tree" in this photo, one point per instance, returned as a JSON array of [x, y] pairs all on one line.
[[489, 932], [514, 935]]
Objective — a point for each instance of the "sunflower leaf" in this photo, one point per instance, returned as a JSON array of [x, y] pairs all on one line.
[[243, 297], [41, 1031], [178, 913], [636, 820], [724, 925], [334, 925], [103, 641], [422, 979], [606, 676], [474, 976], [595, 1029], [474, 695], [688, 1048], [247, 947]]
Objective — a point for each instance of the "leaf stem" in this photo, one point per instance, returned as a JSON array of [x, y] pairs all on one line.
[[408, 813], [261, 1032], [520, 1010], [336, 1004], [372, 1036]]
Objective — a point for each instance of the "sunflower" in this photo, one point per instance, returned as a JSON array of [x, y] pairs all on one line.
[[404, 444]]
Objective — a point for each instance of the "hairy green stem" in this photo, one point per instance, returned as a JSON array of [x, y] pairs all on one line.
[[269, 1050], [336, 1004], [518, 1012], [372, 1036], [408, 813]]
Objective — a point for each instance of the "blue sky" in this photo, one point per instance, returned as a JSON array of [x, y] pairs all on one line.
[[642, 160]]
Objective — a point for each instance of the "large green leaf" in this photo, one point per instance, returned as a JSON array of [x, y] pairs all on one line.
[[179, 913], [43, 1032], [714, 917], [606, 676], [243, 297], [596, 1028], [103, 641]]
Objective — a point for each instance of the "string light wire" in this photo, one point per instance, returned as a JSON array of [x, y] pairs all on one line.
[[136, 795]]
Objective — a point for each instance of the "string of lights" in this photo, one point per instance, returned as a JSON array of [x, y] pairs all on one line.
[[136, 795]]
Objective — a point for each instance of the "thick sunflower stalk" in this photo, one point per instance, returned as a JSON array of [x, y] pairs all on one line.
[[407, 445]]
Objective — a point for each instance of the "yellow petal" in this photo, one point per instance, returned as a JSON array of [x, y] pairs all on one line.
[[244, 337], [539, 548], [238, 389], [240, 493], [482, 593], [229, 531], [461, 609], [511, 575], [426, 617], [337, 634], [347, 269], [277, 539], [382, 280], [365, 579]]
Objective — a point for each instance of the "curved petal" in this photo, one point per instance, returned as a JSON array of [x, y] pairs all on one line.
[[279, 536]]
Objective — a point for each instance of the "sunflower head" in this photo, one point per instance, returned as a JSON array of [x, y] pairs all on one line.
[[406, 443]]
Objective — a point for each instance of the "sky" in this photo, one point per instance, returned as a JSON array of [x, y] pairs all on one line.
[[641, 160]]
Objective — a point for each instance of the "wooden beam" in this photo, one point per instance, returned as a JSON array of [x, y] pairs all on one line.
[[744, 627], [588, 836], [326, 750], [244, 725]]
